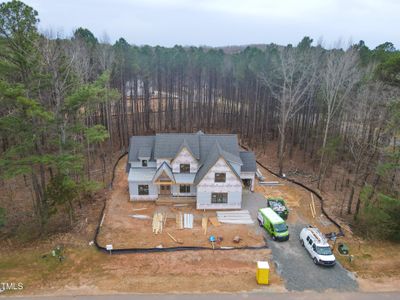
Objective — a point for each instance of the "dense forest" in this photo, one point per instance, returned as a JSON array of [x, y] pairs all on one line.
[[68, 104]]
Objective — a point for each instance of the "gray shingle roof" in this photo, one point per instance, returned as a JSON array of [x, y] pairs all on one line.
[[207, 148], [164, 168], [145, 151], [141, 144], [212, 157], [249, 161], [167, 145]]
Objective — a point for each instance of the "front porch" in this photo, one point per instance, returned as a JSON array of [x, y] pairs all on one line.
[[171, 200]]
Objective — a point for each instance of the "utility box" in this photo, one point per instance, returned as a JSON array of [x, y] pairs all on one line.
[[262, 275]]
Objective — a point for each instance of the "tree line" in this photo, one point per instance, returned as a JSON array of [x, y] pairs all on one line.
[[68, 103]]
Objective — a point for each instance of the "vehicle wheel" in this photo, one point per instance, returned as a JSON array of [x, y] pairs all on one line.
[[302, 243], [315, 260], [260, 224]]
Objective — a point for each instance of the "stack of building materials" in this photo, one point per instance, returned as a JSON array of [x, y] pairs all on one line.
[[188, 221], [158, 221], [179, 220], [204, 224], [235, 217]]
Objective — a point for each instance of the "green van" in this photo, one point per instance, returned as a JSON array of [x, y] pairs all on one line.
[[273, 223]]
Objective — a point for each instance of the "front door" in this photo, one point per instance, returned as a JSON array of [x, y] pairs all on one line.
[[165, 189]]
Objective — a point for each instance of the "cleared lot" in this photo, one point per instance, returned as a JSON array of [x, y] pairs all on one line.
[[123, 231]]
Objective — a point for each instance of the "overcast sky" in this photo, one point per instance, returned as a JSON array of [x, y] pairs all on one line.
[[225, 22]]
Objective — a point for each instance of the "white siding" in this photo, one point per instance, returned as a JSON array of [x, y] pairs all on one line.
[[184, 157], [134, 195], [161, 160], [176, 191], [207, 186], [138, 164]]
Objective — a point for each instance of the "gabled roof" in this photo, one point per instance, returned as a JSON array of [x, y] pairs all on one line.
[[249, 161], [206, 148], [185, 145], [213, 156], [164, 169], [141, 144], [167, 145]]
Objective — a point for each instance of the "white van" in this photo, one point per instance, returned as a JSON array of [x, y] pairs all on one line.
[[316, 244]]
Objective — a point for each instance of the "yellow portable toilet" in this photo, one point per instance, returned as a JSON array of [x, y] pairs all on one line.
[[262, 272]]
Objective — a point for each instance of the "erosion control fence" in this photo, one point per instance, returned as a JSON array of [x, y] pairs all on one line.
[[149, 250], [321, 200]]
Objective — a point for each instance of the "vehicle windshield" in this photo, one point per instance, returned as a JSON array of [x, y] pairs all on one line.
[[324, 250], [280, 227]]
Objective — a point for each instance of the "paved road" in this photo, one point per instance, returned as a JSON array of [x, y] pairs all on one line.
[[247, 296], [294, 264]]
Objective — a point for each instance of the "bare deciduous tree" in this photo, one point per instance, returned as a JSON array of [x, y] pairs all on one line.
[[338, 78], [289, 82]]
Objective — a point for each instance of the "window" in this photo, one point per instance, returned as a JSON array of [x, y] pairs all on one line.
[[184, 168], [184, 189], [144, 163], [219, 198], [220, 177], [143, 190]]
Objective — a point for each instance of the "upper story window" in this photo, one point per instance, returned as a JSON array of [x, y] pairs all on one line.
[[220, 177], [184, 168], [144, 163]]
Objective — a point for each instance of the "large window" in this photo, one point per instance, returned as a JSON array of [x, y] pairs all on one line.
[[184, 168], [219, 198], [144, 163], [220, 177], [143, 190], [184, 189]]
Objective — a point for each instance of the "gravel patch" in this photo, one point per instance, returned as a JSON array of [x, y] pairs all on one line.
[[293, 262]]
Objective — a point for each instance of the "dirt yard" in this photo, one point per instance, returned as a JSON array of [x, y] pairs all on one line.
[[123, 231], [85, 270], [88, 271], [375, 263]]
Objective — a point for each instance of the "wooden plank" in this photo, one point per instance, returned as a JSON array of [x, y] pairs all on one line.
[[312, 212], [142, 208], [313, 205], [174, 239], [142, 217], [215, 221], [204, 223]]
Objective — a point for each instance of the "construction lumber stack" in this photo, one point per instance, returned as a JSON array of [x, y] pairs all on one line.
[[235, 217], [158, 221], [179, 220]]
